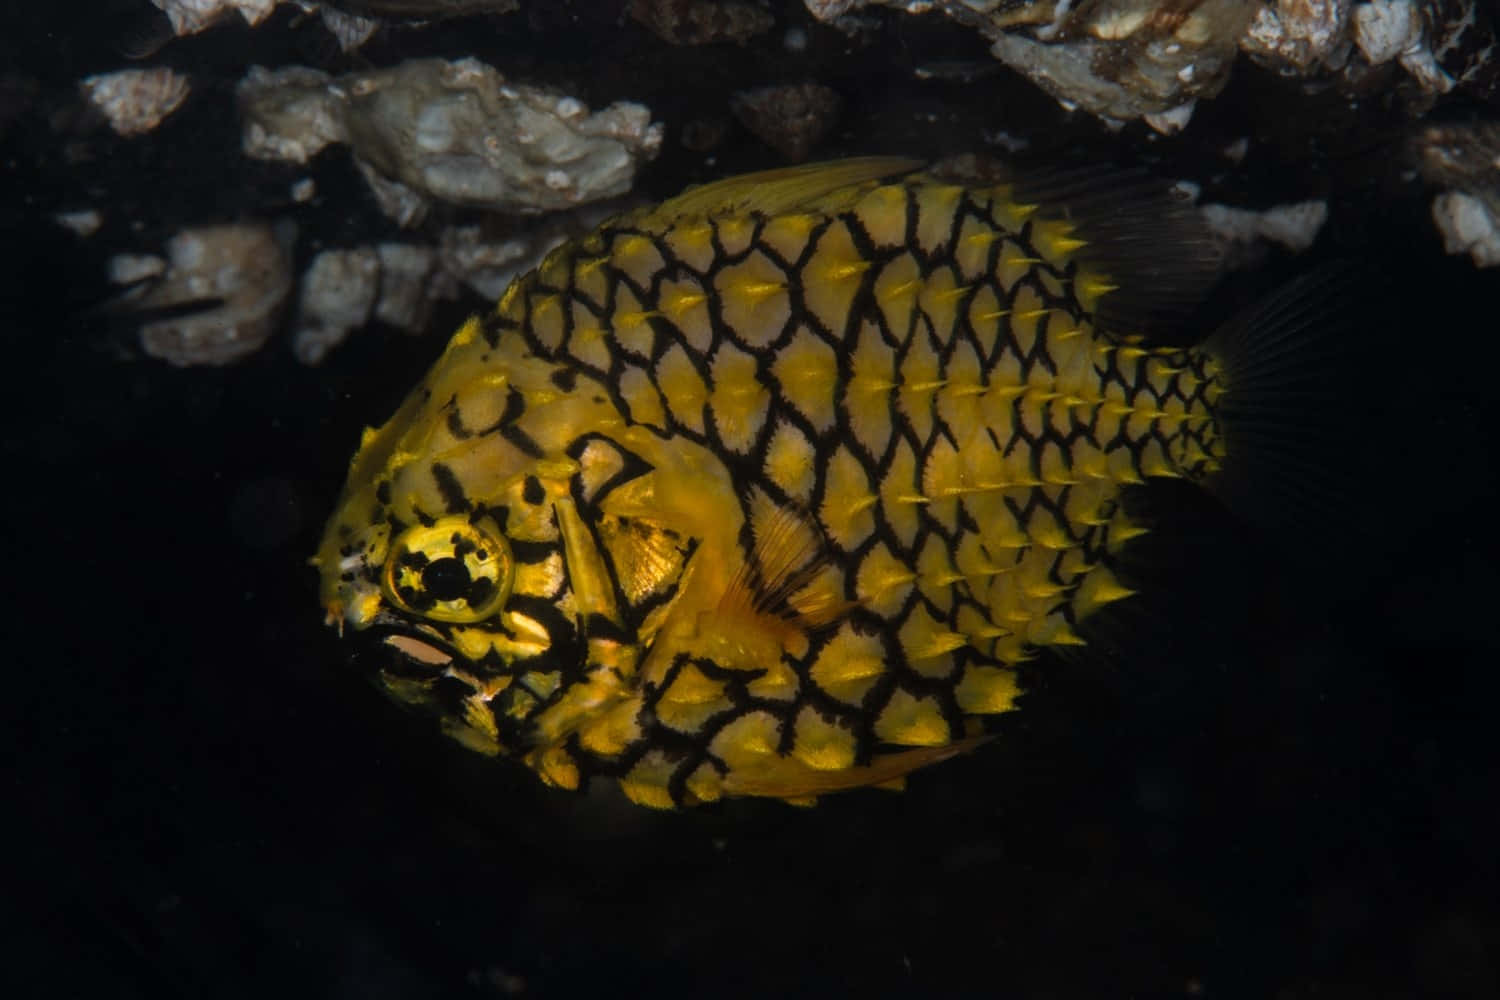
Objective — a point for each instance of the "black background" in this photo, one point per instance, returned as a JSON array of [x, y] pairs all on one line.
[[1284, 786]]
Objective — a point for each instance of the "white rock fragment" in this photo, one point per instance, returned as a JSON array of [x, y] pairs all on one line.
[[84, 222], [303, 190], [451, 131], [1468, 226], [350, 30], [338, 293], [488, 264], [1393, 29], [290, 113], [129, 268], [1424, 68], [397, 283], [1383, 29], [344, 290], [1295, 226], [1295, 36], [827, 10], [1463, 159], [135, 101], [396, 201], [409, 283], [1171, 121], [189, 16], [239, 272]]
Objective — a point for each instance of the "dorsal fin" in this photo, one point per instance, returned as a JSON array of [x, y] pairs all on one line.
[[776, 191], [1144, 237]]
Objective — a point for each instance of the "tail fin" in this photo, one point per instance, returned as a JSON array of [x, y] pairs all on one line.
[[1293, 428], [1291, 415]]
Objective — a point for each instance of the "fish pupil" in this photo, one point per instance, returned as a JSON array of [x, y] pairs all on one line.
[[446, 579]]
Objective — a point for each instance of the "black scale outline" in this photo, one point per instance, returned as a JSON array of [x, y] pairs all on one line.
[[748, 468]]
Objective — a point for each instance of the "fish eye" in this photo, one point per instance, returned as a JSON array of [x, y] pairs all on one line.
[[451, 570]]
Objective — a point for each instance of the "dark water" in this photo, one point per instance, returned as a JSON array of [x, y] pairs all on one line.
[[1286, 789]]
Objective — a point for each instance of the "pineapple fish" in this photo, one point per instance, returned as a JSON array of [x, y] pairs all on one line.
[[768, 490]]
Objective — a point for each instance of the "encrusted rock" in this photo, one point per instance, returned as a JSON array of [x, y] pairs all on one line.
[[424, 9], [1465, 158], [1293, 227], [452, 131], [458, 132], [1297, 36], [790, 118], [135, 101], [832, 10], [1468, 225], [343, 290], [84, 222], [409, 283], [399, 203], [1119, 59], [132, 268], [1459, 155], [1151, 59], [290, 113], [397, 283], [350, 22], [698, 22], [1171, 121], [338, 294], [350, 30], [190, 16], [1386, 29], [488, 263], [241, 275], [1464, 38], [1243, 235], [1441, 44]]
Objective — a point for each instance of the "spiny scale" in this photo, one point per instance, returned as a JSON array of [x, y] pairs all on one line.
[[923, 437], [943, 404]]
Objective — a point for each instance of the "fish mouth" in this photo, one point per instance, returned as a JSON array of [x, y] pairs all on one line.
[[416, 649]]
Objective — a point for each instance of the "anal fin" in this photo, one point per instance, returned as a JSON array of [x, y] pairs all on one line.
[[791, 779], [774, 192]]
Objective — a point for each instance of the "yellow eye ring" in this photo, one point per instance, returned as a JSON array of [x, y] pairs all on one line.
[[449, 571]]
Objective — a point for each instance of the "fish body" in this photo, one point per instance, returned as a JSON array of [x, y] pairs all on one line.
[[766, 490]]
